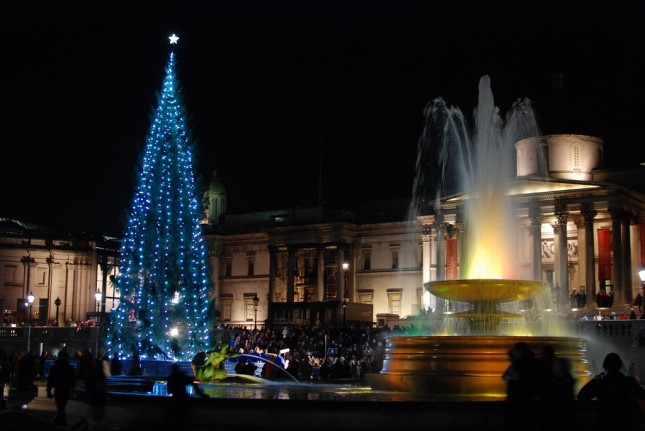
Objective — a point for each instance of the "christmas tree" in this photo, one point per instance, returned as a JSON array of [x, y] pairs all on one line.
[[164, 276]]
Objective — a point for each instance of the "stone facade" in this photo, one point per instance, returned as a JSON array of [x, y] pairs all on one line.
[[577, 226]]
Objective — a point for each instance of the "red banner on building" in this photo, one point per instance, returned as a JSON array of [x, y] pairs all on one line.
[[451, 259], [604, 254]]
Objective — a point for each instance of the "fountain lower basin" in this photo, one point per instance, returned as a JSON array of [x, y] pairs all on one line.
[[464, 367], [470, 366]]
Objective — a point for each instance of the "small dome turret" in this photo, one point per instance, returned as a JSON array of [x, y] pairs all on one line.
[[215, 200]]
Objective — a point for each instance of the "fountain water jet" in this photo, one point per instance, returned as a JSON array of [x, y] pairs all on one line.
[[476, 174]]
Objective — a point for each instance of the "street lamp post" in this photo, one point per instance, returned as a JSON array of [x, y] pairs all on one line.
[[345, 301], [57, 303], [30, 298], [345, 295], [98, 295], [256, 302]]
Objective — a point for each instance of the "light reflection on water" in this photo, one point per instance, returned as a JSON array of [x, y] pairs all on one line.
[[305, 392], [271, 390]]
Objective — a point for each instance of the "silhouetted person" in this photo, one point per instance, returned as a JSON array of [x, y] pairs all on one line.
[[62, 379], [4, 376], [521, 385], [545, 367], [135, 368], [85, 365], [617, 396], [557, 398], [96, 393], [638, 301], [177, 382], [41, 364], [26, 371], [240, 368], [116, 368]]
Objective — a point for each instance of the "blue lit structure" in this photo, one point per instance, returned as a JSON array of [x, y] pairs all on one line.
[[164, 279]]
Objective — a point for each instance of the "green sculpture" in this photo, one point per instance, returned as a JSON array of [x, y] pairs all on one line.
[[209, 367]]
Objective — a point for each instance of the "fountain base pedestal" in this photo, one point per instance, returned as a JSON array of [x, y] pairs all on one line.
[[464, 367]]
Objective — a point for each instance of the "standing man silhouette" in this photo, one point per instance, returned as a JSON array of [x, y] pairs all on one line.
[[62, 379]]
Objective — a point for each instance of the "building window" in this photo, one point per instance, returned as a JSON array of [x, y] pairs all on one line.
[[11, 274], [394, 302], [228, 266], [225, 308], [367, 260], [250, 268], [249, 307], [41, 276], [395, 256], [419, 299], [366, 297]]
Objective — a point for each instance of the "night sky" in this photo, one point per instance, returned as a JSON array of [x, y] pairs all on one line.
[[275, 87]]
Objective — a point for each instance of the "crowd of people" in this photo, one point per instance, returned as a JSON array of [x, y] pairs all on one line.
[[540, 392], [310, 352], [19, 371], [540, 387]]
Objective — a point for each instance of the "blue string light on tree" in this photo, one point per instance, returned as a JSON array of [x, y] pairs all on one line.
[[164, 278]]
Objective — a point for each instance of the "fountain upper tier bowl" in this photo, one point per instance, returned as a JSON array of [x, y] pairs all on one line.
[[486, 290]]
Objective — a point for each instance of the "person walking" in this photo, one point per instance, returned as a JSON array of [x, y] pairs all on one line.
[[521, 379], [4, 377], [62, 380], [178, 380], [617, 396]]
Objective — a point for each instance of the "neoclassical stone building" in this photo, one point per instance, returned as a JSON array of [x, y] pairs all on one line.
[[577, 226], [53, 264]]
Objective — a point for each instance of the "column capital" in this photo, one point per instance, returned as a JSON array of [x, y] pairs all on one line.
[[628, 217], [535, 212], [616, 212], [589, 215], [562, 217], [444, 228]]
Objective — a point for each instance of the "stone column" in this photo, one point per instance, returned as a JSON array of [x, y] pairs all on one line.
[[627, 261], [617, 256], [340, 259], [442, 229], [291, 279], [320, 280], [28, 262], [536, 233], [351, 274], [426, 237], [562, 259], [462, 249], [590, 263], [272, 267]]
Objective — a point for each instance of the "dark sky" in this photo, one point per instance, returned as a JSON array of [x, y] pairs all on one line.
[[272, 87]]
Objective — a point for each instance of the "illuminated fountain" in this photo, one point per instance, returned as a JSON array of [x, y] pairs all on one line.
[[468, 360]]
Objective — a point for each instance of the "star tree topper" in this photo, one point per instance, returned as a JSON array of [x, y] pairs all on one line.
[[173, 39]]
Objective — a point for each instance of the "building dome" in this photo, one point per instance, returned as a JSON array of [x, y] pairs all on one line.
[[566, 156], [216, 185], [215, 200]]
